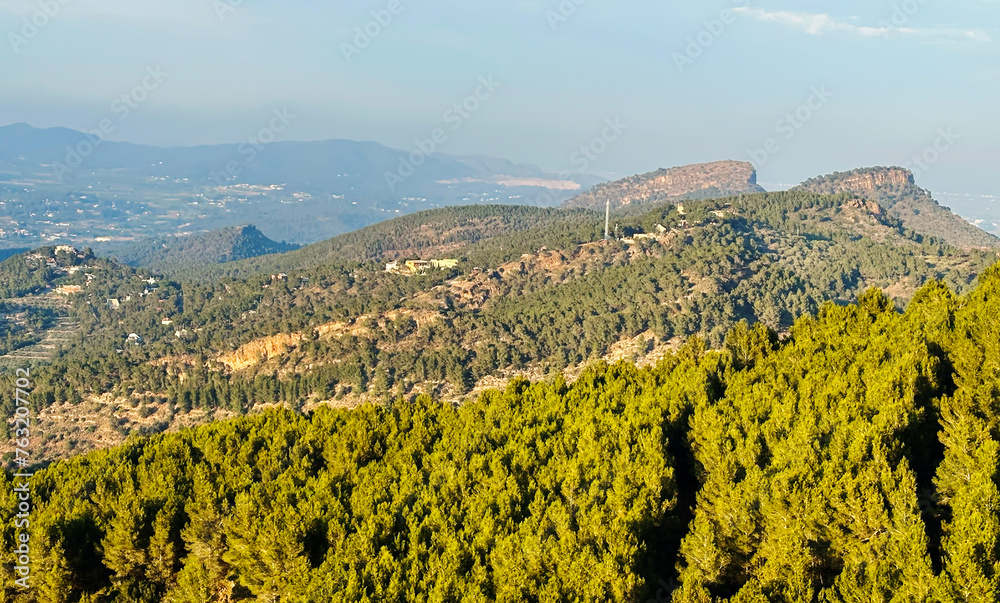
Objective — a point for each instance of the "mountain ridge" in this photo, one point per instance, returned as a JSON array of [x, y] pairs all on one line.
[[26, 144], [695, 181]]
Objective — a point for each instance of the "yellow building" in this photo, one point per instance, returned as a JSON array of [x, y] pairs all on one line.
[[411, 267], [444, 264], [417, 266]]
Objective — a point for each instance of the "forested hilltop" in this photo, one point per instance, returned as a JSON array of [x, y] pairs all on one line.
[[531, 293], [855, 460], [169, 253]]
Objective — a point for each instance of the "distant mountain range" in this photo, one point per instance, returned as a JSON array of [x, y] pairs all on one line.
[[296, 191], [343, 166]]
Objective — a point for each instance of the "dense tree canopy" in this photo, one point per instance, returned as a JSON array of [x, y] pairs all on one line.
[[534, 293], [854, 460]]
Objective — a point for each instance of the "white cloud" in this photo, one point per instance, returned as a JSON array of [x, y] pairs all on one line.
[[821, 23]]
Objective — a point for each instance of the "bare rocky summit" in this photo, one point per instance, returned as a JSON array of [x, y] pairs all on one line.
[[700, 181]]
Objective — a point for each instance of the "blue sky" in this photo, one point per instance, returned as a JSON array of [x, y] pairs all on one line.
[[892, 75]]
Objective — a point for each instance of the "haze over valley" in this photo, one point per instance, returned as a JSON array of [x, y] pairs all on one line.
[[299, 192]]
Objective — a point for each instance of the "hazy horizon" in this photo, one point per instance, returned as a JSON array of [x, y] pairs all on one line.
[[692, 83]]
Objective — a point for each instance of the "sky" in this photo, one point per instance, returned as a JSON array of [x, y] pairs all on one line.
[[800, 88]]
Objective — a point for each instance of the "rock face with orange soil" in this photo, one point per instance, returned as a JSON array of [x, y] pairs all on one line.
[[700, 181], [258, 351]]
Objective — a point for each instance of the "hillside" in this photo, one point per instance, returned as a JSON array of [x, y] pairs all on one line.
[[440, 232], [895, 189], [535, 293], [854, 460], [701, 181], [216, 247]]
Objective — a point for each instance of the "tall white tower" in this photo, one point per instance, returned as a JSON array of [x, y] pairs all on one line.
[[607, 218]]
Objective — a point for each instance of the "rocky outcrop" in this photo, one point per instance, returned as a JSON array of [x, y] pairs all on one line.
[[895, 190], [719, 179], [864, 181], [874, 179], [261, 350], [258, 351], [868, 206]]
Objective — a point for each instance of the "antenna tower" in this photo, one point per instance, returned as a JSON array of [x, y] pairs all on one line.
[[607, 218]]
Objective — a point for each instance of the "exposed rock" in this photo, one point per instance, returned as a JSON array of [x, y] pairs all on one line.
[[879, 177], [258, 351], [719, 179], [865, 181], [895, 189], [866, 205]]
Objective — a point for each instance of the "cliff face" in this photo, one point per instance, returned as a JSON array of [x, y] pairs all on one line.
[[895, 189], [872, 180], [258, 351], [865, 181], [719, 179]]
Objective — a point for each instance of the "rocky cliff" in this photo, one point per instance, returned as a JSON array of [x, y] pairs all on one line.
[[258, 351], [864, 181], [872, 180], [719, 179], [895, 189]]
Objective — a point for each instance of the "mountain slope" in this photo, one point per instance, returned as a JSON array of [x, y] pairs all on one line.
[[701, 181], [855, 457], [895, 189], [534, 293], [441, 232], [216, 247]]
